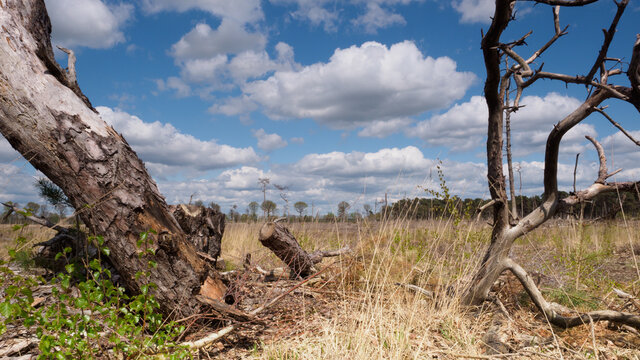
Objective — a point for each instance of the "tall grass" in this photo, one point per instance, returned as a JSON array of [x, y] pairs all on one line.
[[374, 318]]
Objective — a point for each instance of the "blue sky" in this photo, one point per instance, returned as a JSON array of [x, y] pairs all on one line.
[[337, 100]]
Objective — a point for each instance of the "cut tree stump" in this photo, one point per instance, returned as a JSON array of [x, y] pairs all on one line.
[[279, 239]]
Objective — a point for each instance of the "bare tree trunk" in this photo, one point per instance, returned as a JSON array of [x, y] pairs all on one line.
[[512, 190], [45, 116]]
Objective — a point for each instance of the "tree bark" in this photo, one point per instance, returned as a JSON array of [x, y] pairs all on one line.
[[279, 239], [45, 116], [204, 227]]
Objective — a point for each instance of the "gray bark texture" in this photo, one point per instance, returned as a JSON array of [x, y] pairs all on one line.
[[45, 116]]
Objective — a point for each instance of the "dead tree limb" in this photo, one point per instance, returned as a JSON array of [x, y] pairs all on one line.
[[279, 239], [46, 118]]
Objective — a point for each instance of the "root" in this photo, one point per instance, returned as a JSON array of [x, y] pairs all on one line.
[[566, 322]]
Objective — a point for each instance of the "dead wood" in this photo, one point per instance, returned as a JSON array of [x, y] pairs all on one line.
[[504, 233], [45, 117], [204, 227], [279, 239]]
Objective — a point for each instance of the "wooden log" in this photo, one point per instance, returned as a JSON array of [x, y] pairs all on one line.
[[279, 239]]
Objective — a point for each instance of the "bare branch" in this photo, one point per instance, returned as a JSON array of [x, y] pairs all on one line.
[[608, 37], [602, 171], [567, 3], [615, 91], [575, 170], [71, 65], [625, 132], [568, 321]]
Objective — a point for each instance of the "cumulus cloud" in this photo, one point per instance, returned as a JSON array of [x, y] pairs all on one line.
[[329, 14], [377, 18], [475, 11], [356, 164], [181, 88], [268, 142], [382, 128], [313, 11], [222, 58], [166, 150], [203, 42], [362, 84], [89, 23], [327, 179], [464, 126], [243, 11]]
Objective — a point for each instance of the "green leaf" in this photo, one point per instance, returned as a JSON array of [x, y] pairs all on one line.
[[106, 251], [66, 282], [95, 264], [5, 309], [69, 268]]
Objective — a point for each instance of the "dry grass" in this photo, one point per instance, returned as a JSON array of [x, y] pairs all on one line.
[[365, 315]]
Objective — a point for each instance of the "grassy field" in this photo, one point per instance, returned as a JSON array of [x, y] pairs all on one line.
[[357, 310]]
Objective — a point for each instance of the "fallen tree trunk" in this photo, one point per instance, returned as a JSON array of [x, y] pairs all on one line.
[[45, 116], [279, 239]]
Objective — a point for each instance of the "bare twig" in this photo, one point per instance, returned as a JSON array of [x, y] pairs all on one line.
[[608, 37], [617, 125]]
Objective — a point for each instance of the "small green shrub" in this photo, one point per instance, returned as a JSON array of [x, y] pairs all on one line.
[[97, 318]]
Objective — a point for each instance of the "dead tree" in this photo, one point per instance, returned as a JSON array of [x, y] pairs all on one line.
[[496, 259], [279, 239], [45, 116]]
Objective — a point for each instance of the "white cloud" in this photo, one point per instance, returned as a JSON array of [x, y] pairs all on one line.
[[620, 143], [166, 150], [234, 106], [243, 11], [89, 23], [377, 18], [357, 164], [464, 126], [181, 88], [204, 70], [268, 142], [202, 42], [7, 153], [330, 14], [382, 128], [475, 11], [223, 58], [16, 184], [297, 140], [313, 11], [362, 84]]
